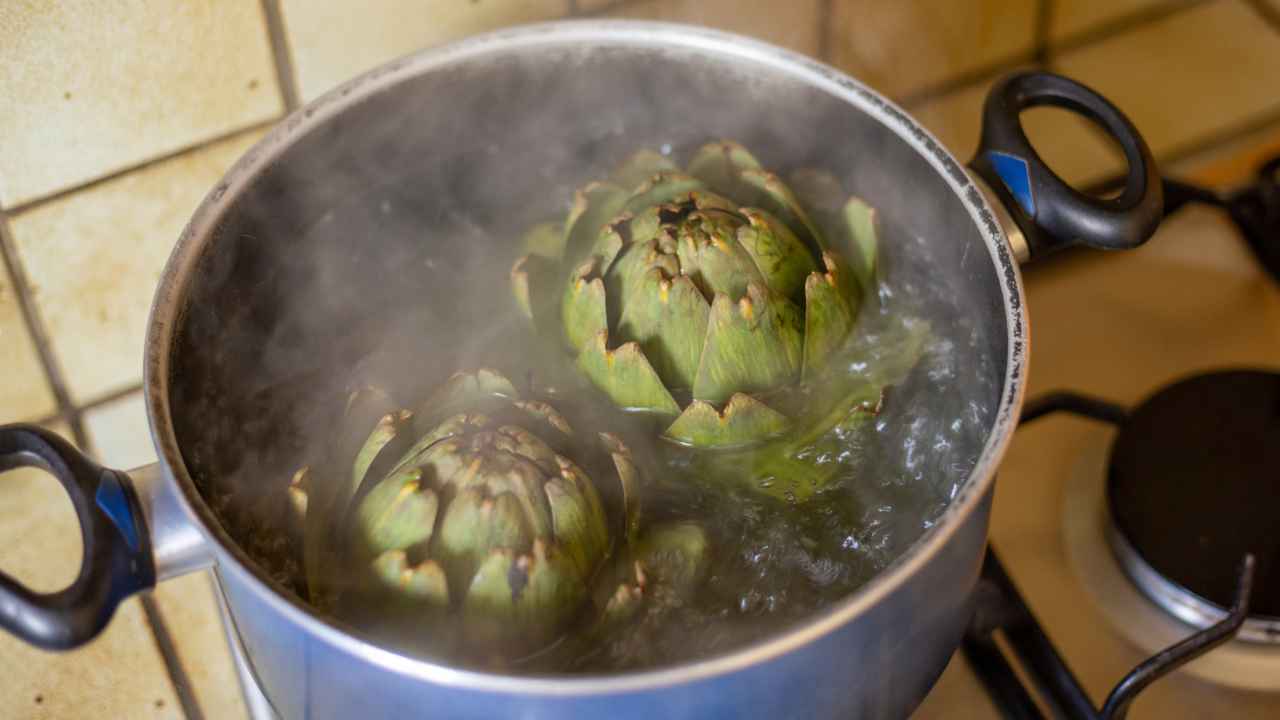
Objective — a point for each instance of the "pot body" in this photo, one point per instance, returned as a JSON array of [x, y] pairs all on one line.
[[879, 665], [876, 657]]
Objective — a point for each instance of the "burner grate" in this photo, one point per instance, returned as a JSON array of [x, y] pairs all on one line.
[[999, 607]]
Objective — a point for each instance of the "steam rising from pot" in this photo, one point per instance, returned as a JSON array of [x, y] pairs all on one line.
[[375, 250]]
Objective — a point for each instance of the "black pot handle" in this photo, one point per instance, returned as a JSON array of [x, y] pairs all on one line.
[[1050, 213], [117, 550]]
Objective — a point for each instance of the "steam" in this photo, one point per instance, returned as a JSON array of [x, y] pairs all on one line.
[[377, 253]]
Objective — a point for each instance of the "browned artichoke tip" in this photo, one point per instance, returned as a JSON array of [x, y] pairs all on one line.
[[296, 508], [694, 294]]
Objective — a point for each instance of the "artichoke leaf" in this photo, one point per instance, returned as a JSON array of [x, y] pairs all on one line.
[[668, 317], [743, 421], [584, 308], [641, 166], [663, 187], [706, 200], [515, 440], [626, 376], [717, 263], [544, 240], [574, 524], [397, 513], [384, 432], [593, 206], [543, 411], [628, 273], [450, 427], [622, 605], [534, 281], [296, 502], [473, 525], [526, 597], [465, 389], [426, 582], [572, 474], [644, 226], [783, 260], [753, 344], [773, 195], [720, 164], [629, 481], [606, 248], [674, 554], [830, 312], [818, 191], [863, 225]]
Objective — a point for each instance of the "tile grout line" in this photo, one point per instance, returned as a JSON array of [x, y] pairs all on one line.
[[145, 164], [1051, 50], [1269, 14], [281, 57], [39, 334], [85, 407], [1211, 141], [1040, 51], [611, 7], [1125, 23], [826, 11], [169, 653], [966, 80]]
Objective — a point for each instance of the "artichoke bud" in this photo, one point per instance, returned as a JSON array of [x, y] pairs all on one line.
[[707, 284], [489, 515]]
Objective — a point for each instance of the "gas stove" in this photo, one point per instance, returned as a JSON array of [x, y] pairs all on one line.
[[1134, 565]]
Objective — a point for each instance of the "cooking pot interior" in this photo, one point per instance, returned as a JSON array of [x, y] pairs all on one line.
[[375, 247]]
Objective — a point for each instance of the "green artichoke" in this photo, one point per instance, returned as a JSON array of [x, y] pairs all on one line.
[[473, 507], [700, 295]]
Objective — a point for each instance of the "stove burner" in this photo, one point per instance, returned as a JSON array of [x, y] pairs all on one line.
[[1194, 485]]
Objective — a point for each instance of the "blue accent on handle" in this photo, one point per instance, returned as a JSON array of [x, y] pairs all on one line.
[[110, 498], [1015, 174]]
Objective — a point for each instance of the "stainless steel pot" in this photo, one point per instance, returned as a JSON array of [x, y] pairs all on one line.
[[449, 123]]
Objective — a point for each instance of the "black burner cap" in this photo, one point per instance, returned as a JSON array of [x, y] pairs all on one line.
[[1194, 484]]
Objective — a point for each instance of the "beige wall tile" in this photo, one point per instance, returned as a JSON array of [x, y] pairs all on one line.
[[793, 24], [90, 87], [904, 47], [1071, 17], [1072, 147], [192, 617], [119, 433], [24, 392], [94, 258], [118, 675], [1188, 76], [331, 42]]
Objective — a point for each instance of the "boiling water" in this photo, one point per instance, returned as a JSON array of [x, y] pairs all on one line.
[[772, 562]]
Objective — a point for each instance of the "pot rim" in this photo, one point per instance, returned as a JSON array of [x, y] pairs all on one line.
[[167, 308]]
